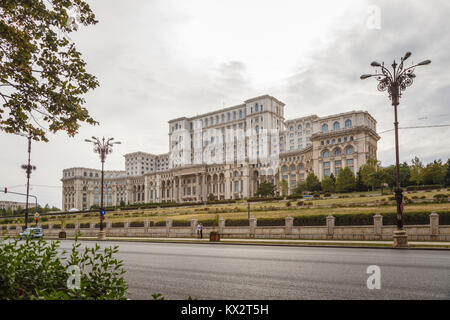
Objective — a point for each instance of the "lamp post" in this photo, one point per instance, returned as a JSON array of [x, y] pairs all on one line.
[[395, 82], [103, 147], [28, 169]]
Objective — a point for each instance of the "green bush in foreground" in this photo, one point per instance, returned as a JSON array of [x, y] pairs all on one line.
[[33, 270]]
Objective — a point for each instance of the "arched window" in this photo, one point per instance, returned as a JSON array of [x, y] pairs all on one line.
[[336, 126], [256, 107], [324, 127], [293, 167], [349, 150], [326, 154], [337, 152], [348, 123], [299, 127], [285, 168]]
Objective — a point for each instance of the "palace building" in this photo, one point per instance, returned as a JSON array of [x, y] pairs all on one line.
[[227, 153]]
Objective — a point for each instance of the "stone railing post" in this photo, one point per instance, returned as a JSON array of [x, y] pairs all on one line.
[[169, 223], [377, 225], [146, 225], [330, 226], [126, 227], [108, 225], [193, 227], [253, 224], [18, 229], [92, 225], [77, 226], [434, 226], [221, 225], [289, 223], [50, 226]]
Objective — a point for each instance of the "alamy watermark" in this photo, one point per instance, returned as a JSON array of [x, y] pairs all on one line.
[[374, 280]]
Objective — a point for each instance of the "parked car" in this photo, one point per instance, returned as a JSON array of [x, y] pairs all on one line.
[[31, 233]]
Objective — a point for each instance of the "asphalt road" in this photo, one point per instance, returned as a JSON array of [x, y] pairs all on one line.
[[215, 271]]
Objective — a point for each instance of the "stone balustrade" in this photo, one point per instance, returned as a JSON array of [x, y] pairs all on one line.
[[377, 231]]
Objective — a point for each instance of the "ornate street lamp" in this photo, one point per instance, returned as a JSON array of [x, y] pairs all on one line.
[[103, 147], [28, 169], [395, 82]]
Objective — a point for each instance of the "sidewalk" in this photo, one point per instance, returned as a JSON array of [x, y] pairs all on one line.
[[285, 242]]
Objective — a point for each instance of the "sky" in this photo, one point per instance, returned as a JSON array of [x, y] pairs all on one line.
[[158, 60]]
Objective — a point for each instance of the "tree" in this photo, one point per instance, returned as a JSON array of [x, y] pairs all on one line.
[[390, 175], [42, 76], [434, 173], [333, 177], [265, 189], [312, 182], [9, 211], [416, 171], [211, 197], [283, 187], [300, 188], [328, 184], [367, 173], [359, 183], [345, 181], [447, 174]]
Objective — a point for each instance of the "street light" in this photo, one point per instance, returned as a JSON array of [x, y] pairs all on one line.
[[103, 147], [395, 82], [28, 169]]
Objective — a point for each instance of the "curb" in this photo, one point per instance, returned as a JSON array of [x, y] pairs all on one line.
[[277, 244]]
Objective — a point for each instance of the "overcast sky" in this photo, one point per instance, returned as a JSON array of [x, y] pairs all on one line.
[[162, 59]]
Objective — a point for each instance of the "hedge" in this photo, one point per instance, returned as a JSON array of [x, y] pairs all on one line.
[[237, 223], [424, 187], [160, 224], [117, 225], [271, 222], [264, 199], [44, 226], [137, 224], [84, 225], [70, 226], [310, 220], [181, 223], [56, 226]]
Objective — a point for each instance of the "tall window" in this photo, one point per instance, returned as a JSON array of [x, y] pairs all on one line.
[[326, 154], [348, 123], [337, 152], [349, 150], [240, 114], [256, 107], [324, 127], [336, 126]]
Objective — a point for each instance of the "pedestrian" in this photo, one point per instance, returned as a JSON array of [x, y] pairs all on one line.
[[198, 228], [201, 231]]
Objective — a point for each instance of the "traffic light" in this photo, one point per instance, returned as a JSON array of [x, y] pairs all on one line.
[[6, 190]]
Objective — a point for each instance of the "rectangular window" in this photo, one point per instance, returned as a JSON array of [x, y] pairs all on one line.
[[349, 162], [326, 172], [326, 164]]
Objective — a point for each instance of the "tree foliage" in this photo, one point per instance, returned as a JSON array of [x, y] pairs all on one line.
[[266, 189], [42, 75], [312, 182], [283, 185], [345, 181], [328, 184]]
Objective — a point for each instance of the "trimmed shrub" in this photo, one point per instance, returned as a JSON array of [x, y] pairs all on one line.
[[137, 224], [299, 203], [85, 225], [237, 223], [44, 226], [425, 187], [181, 223], [160, 224], [56, 226], [70, 226], [288, 204], [270, 222], [310, 220], [117, 225]]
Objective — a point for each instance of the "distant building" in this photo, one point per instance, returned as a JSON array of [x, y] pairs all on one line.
[[15, 205], [227, 153]]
